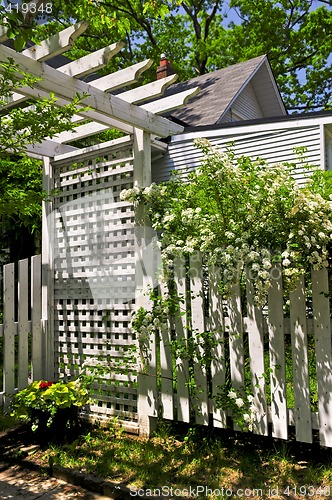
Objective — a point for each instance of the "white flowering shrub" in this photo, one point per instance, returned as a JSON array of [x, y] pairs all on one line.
[[241, 213], [241, 406], [244, 215]]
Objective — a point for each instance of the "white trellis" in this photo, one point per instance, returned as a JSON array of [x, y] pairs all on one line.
[[74, 324]]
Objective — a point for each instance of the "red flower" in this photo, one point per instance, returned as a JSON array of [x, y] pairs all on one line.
[[44, 385]]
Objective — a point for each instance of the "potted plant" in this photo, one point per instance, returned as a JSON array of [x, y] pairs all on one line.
[[51, 406]]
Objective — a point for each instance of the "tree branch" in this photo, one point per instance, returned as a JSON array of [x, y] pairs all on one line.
[[300, 64], [290, 16], [142, 21], [130, 49], [193, 16], [299, 19], [210, 19]]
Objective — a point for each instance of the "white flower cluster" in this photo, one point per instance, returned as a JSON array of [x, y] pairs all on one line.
[[147, 327], [242, 215], [145, 323], [313, 231], [243, 406], [132, 195]]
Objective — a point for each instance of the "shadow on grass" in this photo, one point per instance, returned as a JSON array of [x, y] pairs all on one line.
[[182, 456]]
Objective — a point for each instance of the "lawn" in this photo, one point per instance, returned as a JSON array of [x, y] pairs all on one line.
[[186, 458]]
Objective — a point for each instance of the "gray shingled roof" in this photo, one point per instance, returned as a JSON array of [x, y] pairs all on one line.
[[218, 89]]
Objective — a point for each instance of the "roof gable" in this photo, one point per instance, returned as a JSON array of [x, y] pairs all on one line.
[[219, 91]]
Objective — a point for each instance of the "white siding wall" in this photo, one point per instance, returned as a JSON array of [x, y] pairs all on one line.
[[228, 118], [328, 149], [274, 146], [245, 107]]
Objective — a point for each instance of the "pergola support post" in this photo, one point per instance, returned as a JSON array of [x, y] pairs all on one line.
[[47, 275], [147, 371]]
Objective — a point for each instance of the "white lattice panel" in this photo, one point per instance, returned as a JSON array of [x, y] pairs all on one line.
[[94, 272]]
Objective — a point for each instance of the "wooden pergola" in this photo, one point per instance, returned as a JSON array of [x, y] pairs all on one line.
[[137, 113], [139, 108]]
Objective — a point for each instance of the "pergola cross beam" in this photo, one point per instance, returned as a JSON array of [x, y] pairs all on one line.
[[56, 44], [103, 106], [125, 111], [160, 106], [135, 96], [92, 62], [60, 43]]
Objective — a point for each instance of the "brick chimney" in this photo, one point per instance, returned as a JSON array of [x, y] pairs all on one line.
[[165, 67]]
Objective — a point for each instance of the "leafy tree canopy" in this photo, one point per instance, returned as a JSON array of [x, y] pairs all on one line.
[[21, 191], [200, 36]]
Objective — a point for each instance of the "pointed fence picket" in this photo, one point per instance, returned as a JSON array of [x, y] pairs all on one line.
[[198, 327], [322, 332], [298, 322], [236, 351], [217, 327], [277, 356], [256, 358], [23, 323], [181, 336], [166, 367], [9, 329]]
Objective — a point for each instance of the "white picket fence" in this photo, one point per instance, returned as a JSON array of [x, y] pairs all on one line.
[[21, 333], [285, 361]]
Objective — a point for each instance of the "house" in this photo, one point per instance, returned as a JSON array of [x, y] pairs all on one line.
[[276, 139], [244, 91], [241, 106]]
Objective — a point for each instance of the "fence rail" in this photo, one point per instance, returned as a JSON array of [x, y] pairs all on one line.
[[21, 333]]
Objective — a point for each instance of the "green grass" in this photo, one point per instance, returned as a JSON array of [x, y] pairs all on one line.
[[182, 457], [6, 422], [312, 374], [288, 373]]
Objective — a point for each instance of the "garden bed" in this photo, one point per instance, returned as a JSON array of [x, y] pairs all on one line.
[[182, 458]]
